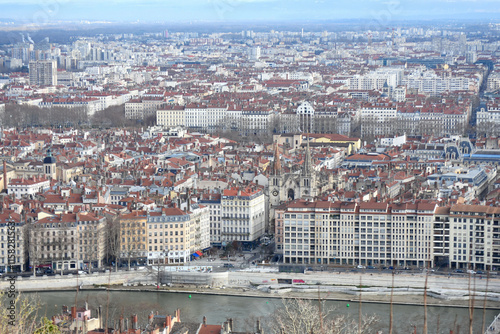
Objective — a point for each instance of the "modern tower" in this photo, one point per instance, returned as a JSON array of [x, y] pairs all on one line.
[[43, 72]]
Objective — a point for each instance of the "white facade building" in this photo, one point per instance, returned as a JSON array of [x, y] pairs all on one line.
[[27, 187], [243, 215]]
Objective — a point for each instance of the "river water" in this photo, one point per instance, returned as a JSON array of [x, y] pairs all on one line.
[[245, 310]]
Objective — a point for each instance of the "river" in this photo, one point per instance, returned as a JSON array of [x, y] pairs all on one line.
[[245, 310]]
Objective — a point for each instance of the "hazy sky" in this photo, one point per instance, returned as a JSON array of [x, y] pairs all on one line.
[[382, 11]]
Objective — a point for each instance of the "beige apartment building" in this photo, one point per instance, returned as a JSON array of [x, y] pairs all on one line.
[[133, 242], [176, 236], [170, 116]]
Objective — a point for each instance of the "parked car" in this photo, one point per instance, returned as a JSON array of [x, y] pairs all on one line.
[[459, 271], [360, 266], [228, 265], [472, 272], [370, 267]]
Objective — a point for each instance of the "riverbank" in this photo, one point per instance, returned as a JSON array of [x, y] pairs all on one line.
[[402, 299], [349, 287]]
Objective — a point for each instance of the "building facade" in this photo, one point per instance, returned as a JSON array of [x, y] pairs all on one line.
[[12, 242], [419, 234], [43, 72], [243, 215], [68, 241], [133, 242]]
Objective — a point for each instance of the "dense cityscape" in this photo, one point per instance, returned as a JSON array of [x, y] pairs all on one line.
[[323, 149]]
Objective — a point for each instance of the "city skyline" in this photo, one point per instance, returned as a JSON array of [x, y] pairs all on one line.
[[373, 11]]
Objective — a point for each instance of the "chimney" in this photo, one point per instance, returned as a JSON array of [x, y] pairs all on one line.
[[134, 321], [121, 326], [5, 175], [204, 321], [73, 312], [150, 317]]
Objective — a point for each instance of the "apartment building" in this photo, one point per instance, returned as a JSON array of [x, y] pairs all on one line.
[[349, 233], [143, 108], [417, 234], [12, 233], [243, 215], [27, 187], [493, 81], [213, 202], [170, 116], [175, 236], [68, 241], [376, 79], [199, 116], [199, 227], [134, 109], [377, 119], [169, 236], [488, 120], [43, 72], [432, 83], [133, 237], [474, 237], [256, 121]]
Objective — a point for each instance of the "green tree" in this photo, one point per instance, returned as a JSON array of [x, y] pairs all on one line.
[[47, 327]]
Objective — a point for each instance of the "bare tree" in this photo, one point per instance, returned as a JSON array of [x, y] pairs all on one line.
[[133, 235], [32, 246], [26, 314], [301, 316], [112, 233]]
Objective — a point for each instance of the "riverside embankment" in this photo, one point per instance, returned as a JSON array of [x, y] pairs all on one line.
[[373, 287]]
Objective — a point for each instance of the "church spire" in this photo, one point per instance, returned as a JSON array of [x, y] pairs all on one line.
[[306, 171], [277, 160]]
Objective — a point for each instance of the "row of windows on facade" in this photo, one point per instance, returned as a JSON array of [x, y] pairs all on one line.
[[18, 252], [134, 240], [237, 237], [236, 230], [85, 225], [166, 240], [129, 232], [166, 233], [171, 248], [363, 255], [133, 247], [356, 237], [156, 226], [333, 223]]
